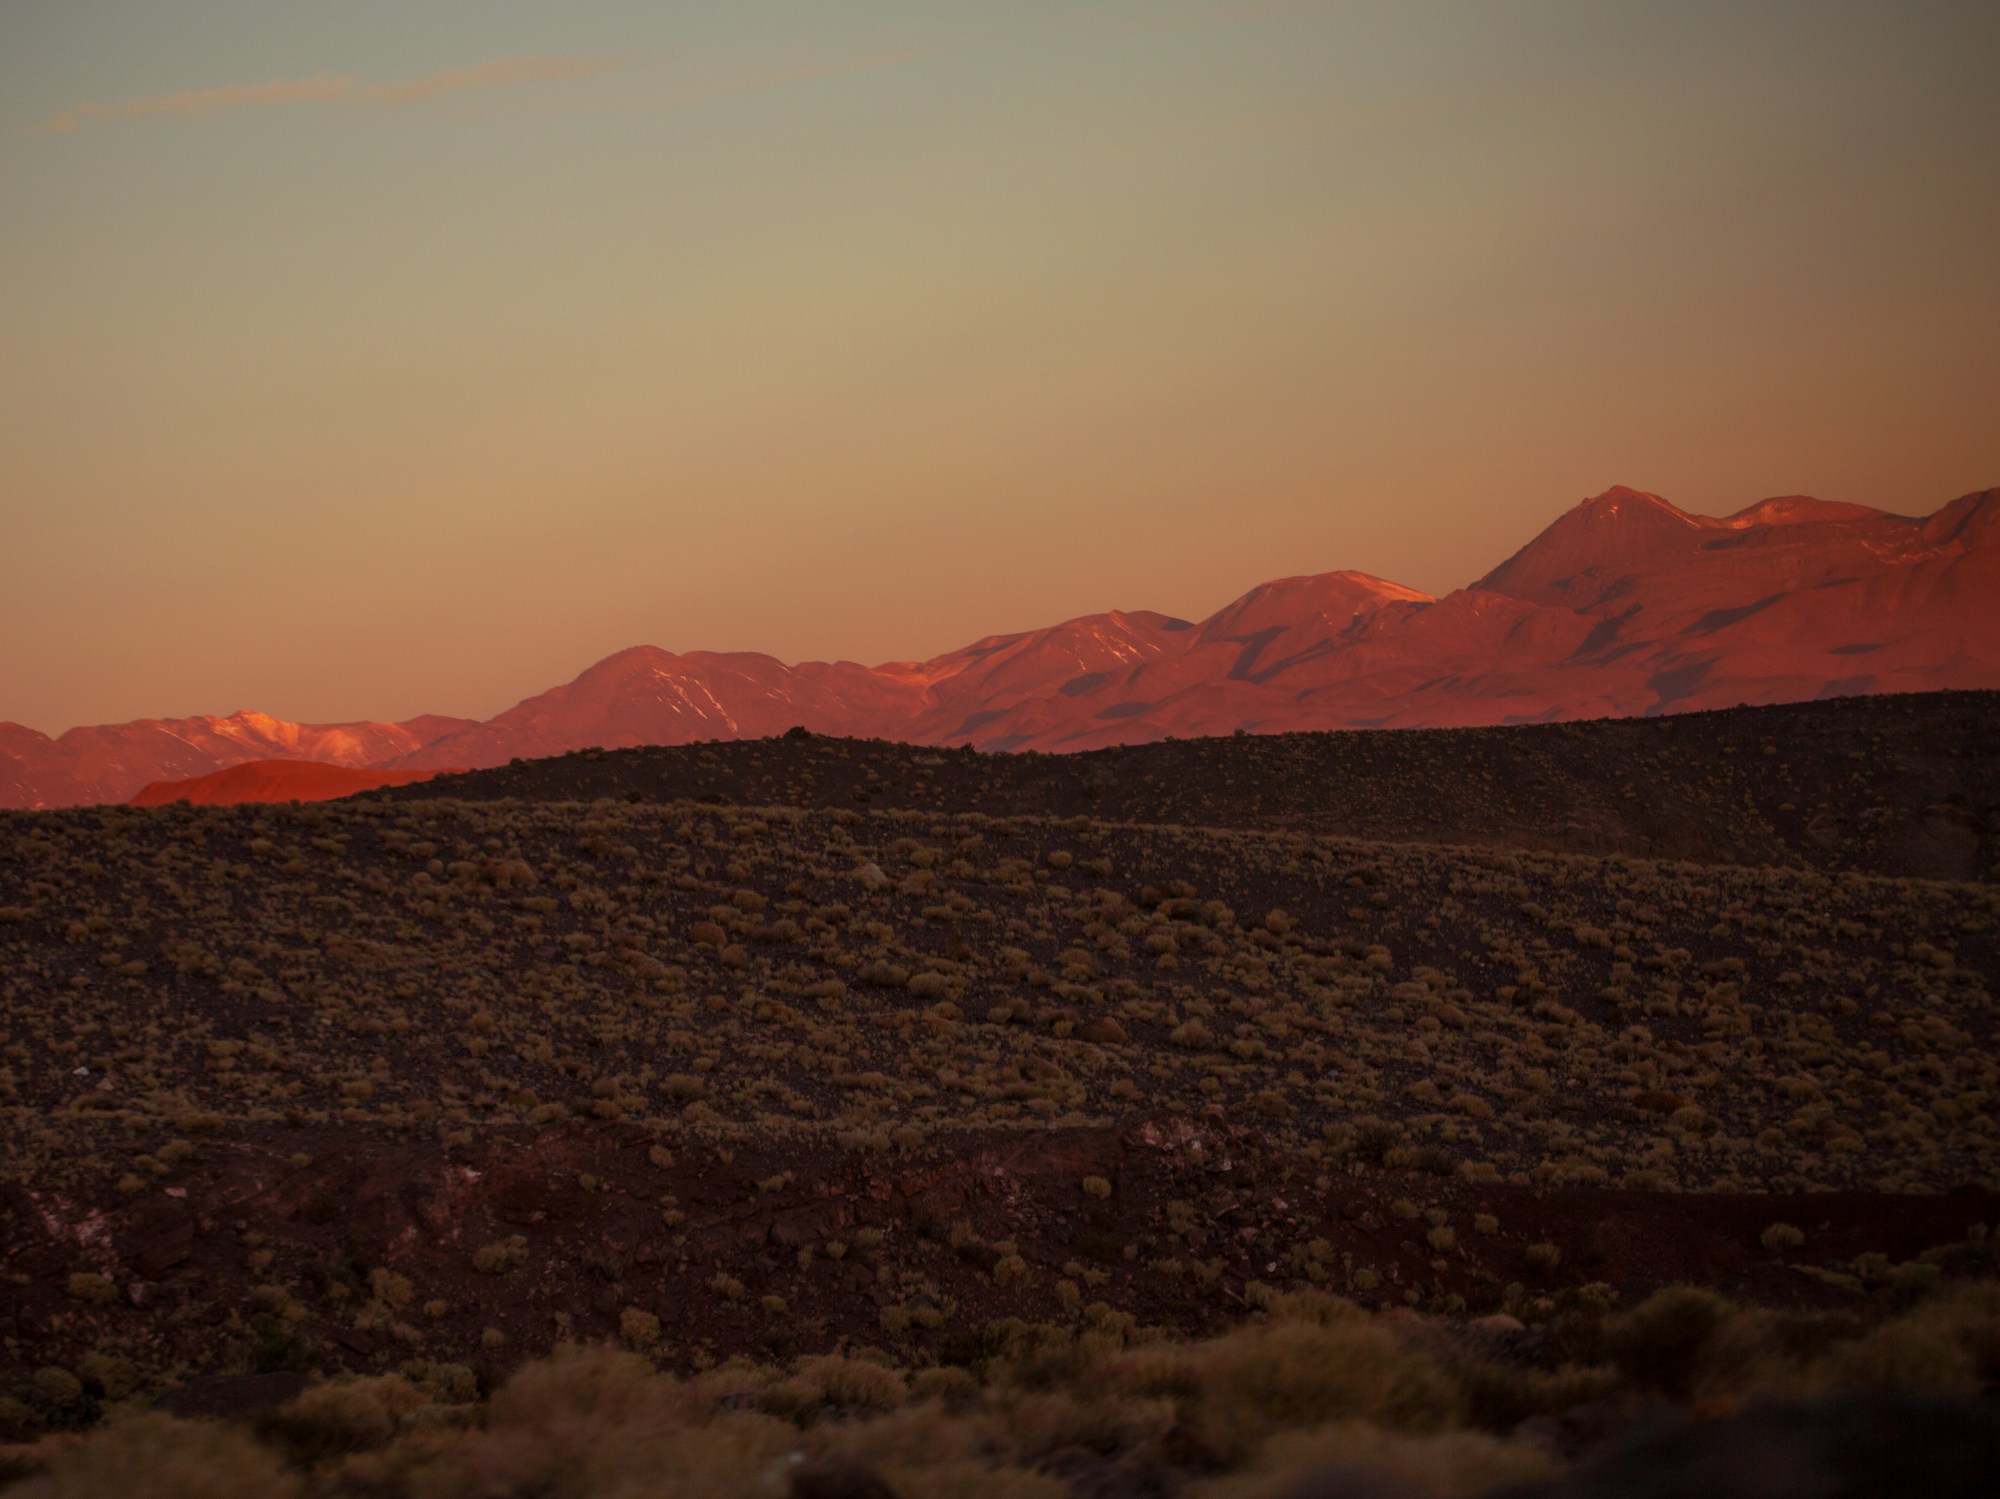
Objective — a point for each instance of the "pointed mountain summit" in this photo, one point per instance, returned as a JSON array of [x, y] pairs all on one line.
[[1625, 605], [1583, 553]]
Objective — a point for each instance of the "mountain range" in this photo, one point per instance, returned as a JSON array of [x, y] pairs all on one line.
[[1625, 606]]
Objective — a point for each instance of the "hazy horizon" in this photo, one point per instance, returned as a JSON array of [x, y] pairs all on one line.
[[410, 359]]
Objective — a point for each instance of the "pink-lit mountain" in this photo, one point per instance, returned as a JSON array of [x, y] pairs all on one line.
[[1624, 606], [110, 762]]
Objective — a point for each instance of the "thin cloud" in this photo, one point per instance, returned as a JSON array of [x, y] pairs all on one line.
[[331, 88], [321, 88], [497, 74]]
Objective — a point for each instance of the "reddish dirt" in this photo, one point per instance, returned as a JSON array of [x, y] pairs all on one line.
[[320, 1210]]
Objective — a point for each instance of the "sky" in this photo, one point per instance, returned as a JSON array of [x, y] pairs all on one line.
[[403, 356]]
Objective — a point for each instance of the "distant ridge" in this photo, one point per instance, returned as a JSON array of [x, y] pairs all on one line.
[[275, 781], [1625, 606]]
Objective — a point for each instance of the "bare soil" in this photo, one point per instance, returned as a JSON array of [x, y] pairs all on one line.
[[846, 1239]]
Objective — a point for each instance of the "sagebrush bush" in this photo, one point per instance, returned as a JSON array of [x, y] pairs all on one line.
[[1265, 1377], [1309, 1385], [1660, 1344], [1352, 1457], [157, 1457], [345, 1415]]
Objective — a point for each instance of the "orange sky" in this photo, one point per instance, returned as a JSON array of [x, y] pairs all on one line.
[[411, 358]]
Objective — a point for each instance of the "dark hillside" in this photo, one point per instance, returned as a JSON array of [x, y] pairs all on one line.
[[1904, 785], [423, 1087], [345, 1050]]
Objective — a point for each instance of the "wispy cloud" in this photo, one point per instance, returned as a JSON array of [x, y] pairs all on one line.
[[497, 74], [330, 88]]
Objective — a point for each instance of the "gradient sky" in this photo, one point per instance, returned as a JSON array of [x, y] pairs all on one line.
[[390, 356]]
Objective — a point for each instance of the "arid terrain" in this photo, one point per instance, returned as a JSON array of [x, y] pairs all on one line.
[[1171, 1118], [1904, 785]]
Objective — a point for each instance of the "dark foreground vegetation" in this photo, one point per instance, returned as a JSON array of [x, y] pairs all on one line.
[[1307, 1396], [807, 1117]]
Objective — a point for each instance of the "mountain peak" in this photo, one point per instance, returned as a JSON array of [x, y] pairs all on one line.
[[1625, 604], [1625, 494], [1618, 529]]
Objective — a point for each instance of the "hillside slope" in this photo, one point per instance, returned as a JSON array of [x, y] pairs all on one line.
[[1905, 785], [274, 781]]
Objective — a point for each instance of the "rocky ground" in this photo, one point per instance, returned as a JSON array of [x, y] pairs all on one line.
[[426, 1086]]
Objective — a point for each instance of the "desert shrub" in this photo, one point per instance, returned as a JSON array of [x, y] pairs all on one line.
[[112, 1373], [1780, 1237], [87, 1285], [639, 1329], [1659, 1345], [1949, 1345], [344, 1415], [834, 1381], [391, 1289], [1372, 1139], [597, 1420], [581, 1385], [1294, 1372], [157, 1457], [727, 1459], [500, 1256], [56, 1386], [921, 1450], [1358, 1458], [1907, 1355], [1499, 1394], [1082, 1417]]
